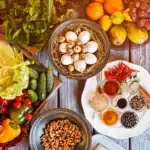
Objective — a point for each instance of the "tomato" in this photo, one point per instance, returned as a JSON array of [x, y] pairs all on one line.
[[17, 104], [3, 109], [18, 98], [27, 102], [28, 116], [1, 100], [25, 94], [5, 103]]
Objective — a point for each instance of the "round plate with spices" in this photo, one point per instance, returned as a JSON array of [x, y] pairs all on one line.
[[120, 108]]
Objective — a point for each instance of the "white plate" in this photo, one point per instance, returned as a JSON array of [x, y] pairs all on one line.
[[105, 142], [118, 131]]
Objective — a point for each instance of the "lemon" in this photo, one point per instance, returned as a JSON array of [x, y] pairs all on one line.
[[117, 17], [105, 22], [118, 34]]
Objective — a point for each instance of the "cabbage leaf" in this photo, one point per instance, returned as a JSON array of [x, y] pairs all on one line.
[[14, 72]]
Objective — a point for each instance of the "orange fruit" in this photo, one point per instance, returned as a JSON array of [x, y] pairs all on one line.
[[112, 6], [99, 1], [94, 11]]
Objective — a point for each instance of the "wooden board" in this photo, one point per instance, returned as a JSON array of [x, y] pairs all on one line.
[[141, 56]]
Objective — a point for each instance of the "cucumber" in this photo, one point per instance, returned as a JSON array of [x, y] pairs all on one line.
[[33, 84], [33, 73], [38, 68], [41, 89], [33, 96], [50, 79]]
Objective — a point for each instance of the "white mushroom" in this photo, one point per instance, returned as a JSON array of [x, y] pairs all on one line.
[[71, 44], [61, 39], [84, 37], [63, 47], [90, 59], [66, 59], [91, 47], [71, 68], [82, 56], [80, 65], [75, 57], [77, 49], [71, 36], [70, 51]]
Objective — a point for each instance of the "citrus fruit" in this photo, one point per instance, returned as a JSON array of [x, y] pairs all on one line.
[[113, 5], [118, 34], [117, 17], [105, 22], [94, 11], [99, 1]]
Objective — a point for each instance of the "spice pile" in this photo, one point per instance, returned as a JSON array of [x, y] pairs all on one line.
[[129, 119], [120, 72], [61, 135], [137, 103]]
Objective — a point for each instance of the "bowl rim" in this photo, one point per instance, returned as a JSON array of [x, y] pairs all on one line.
[[97, 27], [60, 110]]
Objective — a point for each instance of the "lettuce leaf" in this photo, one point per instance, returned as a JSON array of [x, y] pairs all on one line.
[[14, 72]]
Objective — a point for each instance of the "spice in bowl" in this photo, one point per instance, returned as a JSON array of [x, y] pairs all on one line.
[[122, 103], [111, 87], [61, 134], [110, 117], [99, 102], [137, 103], [129, 119]]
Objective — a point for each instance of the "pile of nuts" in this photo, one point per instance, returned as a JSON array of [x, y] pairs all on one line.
[[77, 50], [61, 135]]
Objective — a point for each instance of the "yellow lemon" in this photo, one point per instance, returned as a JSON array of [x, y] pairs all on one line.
[[105, 22]]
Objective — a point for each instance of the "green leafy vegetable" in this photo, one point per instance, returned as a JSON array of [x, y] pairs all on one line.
[[14, 72], [27, 22]]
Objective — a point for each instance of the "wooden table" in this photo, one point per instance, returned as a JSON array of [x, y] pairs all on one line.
[[69, 94]]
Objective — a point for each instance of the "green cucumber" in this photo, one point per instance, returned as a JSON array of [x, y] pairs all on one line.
[[33, 84], [50, 79], [33, 96], [33, 73], [38, 68], [41, 89]]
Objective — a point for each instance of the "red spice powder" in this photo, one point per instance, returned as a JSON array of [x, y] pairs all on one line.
[[111, 87]]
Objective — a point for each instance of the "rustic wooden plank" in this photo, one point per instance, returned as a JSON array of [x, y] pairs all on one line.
[[141, 56], [51, 103]]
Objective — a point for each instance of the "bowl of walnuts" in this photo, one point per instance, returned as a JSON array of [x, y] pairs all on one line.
[[79, 49], [60, 129]]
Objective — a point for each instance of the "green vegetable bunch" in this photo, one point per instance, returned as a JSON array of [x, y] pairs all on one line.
[[26, 22]]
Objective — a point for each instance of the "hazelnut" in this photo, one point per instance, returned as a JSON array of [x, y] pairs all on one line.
[[77, 49], [71, 44], [75, 57], [71, 68], [61, 39]]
